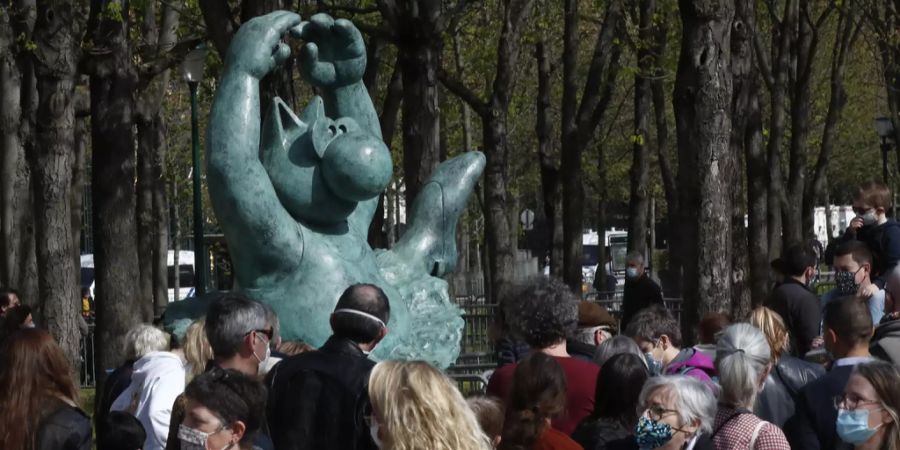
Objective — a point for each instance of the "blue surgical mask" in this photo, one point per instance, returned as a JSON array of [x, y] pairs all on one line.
[[853, 426], [651, 434], [631, 273]]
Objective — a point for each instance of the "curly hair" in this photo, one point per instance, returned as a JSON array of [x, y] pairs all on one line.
[[542, 311], [418, 407], [538, 393]]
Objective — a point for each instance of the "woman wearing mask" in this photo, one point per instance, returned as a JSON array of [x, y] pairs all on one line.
[[742, 359], [868, 410], [615, 408], [39, 399], [416, 407], [788, 375], [224, 410], [676, 414], [537, 395]]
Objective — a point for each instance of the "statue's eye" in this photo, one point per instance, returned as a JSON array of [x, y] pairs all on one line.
[[332, 130], [342, 128]]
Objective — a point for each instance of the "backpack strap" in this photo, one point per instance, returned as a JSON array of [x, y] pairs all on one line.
[[755, 435], [736, 413]]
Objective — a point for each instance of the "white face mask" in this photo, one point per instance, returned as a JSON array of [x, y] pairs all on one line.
[[261, 369], [373, 431]]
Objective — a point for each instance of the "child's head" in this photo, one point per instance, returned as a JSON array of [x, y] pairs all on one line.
[[123, 432], [872, 195], [489, 412]]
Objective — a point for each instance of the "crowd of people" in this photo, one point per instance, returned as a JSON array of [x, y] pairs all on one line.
[[799, 372]]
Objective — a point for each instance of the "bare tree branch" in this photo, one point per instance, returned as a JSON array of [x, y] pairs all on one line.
[[463, 92]]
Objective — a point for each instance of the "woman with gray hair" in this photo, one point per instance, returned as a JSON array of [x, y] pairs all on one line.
[[614, 346], [676, 413], [743, 360]]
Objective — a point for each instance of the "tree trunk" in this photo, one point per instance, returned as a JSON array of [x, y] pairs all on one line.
[[746, 140], [550, 186], [638, 205], [57, 40], [419, 57], [579, 123], [160, 221], [499, 207], [781, 36], [602, 220], [378, 235], [18, 103], [702, 102], [113, 84], [848, 29]]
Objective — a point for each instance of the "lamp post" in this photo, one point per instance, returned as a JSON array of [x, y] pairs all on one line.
[[192, 69], [885, 129]]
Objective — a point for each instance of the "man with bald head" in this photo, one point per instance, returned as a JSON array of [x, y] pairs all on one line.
[[318, 400]]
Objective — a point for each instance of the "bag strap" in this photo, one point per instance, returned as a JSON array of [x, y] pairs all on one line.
[[736, 413], [756, 431]]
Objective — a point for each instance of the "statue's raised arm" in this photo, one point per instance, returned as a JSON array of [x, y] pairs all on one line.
[[242, 195]]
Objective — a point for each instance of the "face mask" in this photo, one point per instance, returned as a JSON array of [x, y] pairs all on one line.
[[869, 218], [846, 282], [654, 367], [651, 434], [261, 368], [853, 426], [192, 439], [373, 431], [631, 273]]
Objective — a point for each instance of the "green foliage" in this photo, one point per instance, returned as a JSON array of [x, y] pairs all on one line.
[[112, 12]]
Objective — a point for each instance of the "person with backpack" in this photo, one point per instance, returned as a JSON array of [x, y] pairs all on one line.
[[658, 335], [742, 359]]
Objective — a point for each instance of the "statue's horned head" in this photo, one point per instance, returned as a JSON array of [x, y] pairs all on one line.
[[321, 168]]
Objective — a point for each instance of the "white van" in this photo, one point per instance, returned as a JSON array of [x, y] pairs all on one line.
[[185, 273]]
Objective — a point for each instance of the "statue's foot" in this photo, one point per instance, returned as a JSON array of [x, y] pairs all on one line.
[[430, 241]]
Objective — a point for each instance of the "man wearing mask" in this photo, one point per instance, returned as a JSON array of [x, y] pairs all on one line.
[[318, 400], [794, 302], [848, 329], [640, 290], [239, 331], [853, 276]]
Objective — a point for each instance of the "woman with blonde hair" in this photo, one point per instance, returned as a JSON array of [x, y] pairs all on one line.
[[197, 351], [775, 403], [416, 407], [868, 410]]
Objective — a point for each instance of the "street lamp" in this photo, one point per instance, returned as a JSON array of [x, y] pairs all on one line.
[[885, 129], [192, 69]]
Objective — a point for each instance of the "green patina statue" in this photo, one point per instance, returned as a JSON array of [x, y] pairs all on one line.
[[295, 195]]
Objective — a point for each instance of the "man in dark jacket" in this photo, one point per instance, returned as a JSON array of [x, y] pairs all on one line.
[[793, 301], [640, 290], [318, 400], [886, 341], [848, 329]]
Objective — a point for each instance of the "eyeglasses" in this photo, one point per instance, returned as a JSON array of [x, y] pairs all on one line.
[[269, 333], [850, 403], [658, 411]]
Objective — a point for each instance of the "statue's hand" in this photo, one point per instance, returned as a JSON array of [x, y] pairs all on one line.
[[334, 54], [256, 48]]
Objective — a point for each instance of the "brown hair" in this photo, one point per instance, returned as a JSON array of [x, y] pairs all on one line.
[[36, 376], [710, 325], [872, 194], [292, 348], [883, 377], [772, 326], [489, 412], [538, 393]]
